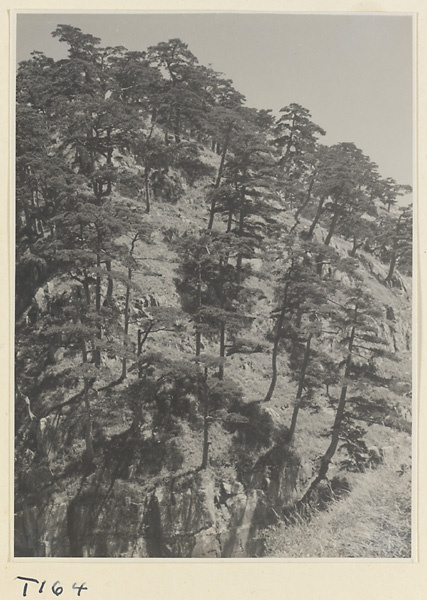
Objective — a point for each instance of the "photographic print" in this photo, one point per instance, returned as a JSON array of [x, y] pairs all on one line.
[[213, 285]]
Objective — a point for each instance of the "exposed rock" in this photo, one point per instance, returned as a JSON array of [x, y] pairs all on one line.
[[342, 277], [42, 530], [189, 517]]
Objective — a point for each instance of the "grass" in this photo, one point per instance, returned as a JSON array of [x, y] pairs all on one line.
[[373, 521]]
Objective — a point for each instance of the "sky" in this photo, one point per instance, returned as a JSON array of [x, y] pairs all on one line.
[[354, 73]]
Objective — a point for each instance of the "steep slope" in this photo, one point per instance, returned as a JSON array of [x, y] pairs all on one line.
[[147, 497], [212, 314]]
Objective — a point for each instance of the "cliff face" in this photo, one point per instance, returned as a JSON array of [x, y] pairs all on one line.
[[192, 516]]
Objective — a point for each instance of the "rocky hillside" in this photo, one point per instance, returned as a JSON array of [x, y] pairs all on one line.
[[213, 315]]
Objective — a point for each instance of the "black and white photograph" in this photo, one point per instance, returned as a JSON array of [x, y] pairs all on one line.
[[213, 317]]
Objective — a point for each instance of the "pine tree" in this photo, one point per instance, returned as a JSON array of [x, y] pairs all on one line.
[[362, 342], [302, 298], [209, 287], [182, 99], [388, 190], [295, 135], [251, 173], [396, 240]]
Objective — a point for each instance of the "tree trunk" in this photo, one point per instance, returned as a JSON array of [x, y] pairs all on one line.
[[277, 339], [330, 452], [229, 220], [300, 389], [221, 350], [212, 212], [176, 129], [332, 227], [284, 158], [317, 216], [392, 267], [97, 353], [201, 386], [127, 311], [239, 255], [219, 175], [394, 250], [304, 204], [222, 323], [126, 328], [86, 288], [199, 304], [98, 282], [109, 295], [142, 338], [205, 456], [147, 190], [89, 454], [109, 158], [91, 151]]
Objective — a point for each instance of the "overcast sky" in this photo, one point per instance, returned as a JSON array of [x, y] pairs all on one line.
[[353, 72]]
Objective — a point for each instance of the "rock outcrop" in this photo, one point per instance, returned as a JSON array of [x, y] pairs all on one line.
[[190, 516]]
